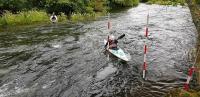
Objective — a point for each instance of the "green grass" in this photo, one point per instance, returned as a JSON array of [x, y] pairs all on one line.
[[62, 18], [34, 17], [24, 18], [167, 2], [86, 17], [124, 3]]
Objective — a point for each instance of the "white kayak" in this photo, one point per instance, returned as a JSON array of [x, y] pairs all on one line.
[[118, 53]]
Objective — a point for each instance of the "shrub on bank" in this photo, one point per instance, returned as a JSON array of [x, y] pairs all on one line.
[[123, 3], [198, 2], [23, 18], [62, 17], [32, 17], [167, 2], [85, 17]]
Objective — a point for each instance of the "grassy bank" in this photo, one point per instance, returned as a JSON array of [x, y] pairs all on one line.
[[33, 17], [123, 3], [23, 18], [86, 17], [76, 10], [167, 2]]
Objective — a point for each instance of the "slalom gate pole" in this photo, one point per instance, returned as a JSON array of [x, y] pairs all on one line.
[[109, 23], [145, 48], [109, 29], [190, 74]]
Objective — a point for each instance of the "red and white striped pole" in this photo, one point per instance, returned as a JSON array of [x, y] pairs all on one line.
[[190, 74], [145, 48], [109, 23], [109, 29], [145, 63]]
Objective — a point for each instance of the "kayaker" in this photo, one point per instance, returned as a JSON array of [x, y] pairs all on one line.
[[53, 18], [112, 42]]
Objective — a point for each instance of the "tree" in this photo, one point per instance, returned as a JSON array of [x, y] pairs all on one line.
[[14, 5], [123, 3], [37, 3], [198, 1]]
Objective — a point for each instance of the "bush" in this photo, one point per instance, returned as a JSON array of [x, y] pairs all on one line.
[[124, 3], [62, 17], [85, 17], [31, 17], [143, 0], [198, 1], [167, 2], [13, 5], [25, 17]]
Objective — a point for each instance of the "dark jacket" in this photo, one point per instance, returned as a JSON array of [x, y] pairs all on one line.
[[112, 44]]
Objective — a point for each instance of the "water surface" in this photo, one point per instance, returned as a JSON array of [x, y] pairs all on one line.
[[67, 60]]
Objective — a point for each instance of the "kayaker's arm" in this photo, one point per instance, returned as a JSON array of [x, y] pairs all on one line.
[[106, 45]]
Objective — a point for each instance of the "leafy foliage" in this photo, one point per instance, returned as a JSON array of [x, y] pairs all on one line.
[[26, 17], [64, 6], [167, 2], [198, 2], [14, 12], [13, 5], [124, 3]]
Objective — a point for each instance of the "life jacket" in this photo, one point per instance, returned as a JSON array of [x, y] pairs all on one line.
[[53, 18], [112, 43]]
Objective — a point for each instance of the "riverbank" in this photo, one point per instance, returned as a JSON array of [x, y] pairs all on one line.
[[88, 11], [34, 17], [28, 12], [167, 2], [23, 18]]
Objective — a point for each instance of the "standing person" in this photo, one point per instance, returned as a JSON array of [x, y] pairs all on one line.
[[53, 18]]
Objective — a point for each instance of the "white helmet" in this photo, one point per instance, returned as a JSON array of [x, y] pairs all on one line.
[[112, 37]]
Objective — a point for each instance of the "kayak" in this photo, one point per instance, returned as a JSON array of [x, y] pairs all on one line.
[[118, 53]]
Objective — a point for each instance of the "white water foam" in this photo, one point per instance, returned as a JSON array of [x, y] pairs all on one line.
[[105, 72], [56, 45]]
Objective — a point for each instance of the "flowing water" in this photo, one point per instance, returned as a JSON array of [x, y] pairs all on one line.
[[68, 60]]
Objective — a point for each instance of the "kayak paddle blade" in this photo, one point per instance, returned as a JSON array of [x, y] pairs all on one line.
[[120, 37]]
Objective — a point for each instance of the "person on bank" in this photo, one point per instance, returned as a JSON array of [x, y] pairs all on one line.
[[53, 18]]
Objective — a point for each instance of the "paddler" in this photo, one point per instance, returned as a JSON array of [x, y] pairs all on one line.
[[112, 42], [53, 18]]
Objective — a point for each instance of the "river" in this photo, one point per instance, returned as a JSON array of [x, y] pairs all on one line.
[[68, 60]]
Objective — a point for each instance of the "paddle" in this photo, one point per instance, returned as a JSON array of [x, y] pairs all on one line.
[[120, 37], [107, 44]]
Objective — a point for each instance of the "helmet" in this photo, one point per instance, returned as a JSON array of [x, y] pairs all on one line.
[[112, 37]]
